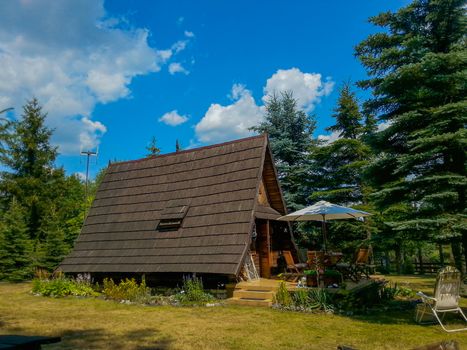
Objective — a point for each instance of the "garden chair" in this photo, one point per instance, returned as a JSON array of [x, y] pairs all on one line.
[[446, 298], [294, 268], [359, 268]]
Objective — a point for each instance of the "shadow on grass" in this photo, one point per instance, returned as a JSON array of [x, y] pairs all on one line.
[[142, 339], [400, 313]]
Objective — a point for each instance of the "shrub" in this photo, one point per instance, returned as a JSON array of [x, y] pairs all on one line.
[[283, 297], [127, 289], [321, 299], [61, 287], [192, 292]]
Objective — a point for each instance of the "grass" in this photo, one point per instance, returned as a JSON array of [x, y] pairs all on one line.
[[98, 324]]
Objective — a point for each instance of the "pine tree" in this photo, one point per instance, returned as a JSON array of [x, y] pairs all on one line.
[[347, 115], [417, 76], [53, 249], [15, 247], [30, 159], [152, 148], [337, 168], [290, 131], [178, 148]]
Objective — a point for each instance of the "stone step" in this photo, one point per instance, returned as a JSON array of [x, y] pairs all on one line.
[[253, 294], [249, 302]]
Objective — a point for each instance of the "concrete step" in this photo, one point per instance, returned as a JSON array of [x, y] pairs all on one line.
[[249, 302], [253, 294]]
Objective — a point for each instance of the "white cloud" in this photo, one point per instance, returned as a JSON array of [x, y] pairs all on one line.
[[383, 126], [328, 139], [71, 55], [221, 123], [176, 67], [189, 34], [173, 118], [307, 88]]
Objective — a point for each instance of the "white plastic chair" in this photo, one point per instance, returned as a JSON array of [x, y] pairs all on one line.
[[446, 298]]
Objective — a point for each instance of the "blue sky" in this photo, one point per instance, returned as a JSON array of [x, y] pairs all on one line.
[[113, 74]]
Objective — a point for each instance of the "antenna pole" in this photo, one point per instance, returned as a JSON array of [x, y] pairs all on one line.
[[88, 154]]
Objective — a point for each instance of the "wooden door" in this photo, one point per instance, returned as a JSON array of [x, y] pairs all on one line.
[[264, 248]]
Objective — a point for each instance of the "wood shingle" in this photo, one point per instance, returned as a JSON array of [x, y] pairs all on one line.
[[212, 191]]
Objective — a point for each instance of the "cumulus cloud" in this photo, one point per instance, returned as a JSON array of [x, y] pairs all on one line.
[[222, 123], [173, 118], [307, 88], [71, 55], [189, 34], [176, 67]]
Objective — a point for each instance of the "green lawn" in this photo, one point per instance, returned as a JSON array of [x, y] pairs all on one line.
[[99, 324]]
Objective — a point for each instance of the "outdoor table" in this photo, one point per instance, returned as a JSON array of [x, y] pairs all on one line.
[[21, 342]]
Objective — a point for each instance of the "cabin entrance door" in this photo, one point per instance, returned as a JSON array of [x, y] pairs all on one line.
[[263, 247]]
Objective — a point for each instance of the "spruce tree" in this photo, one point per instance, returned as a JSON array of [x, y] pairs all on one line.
[[30, 159], [290, 131], [347, 114], [152, 148], [178, 148], [337, 169], [416, 69], [53, 249], [15, 247]]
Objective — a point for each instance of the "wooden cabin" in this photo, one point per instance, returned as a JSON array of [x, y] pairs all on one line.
[[209, 211]]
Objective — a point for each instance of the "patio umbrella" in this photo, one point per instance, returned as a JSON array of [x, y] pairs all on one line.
[[324, 211]]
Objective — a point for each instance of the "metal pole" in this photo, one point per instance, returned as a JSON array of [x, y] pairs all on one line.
[[88, 154], [323, 228]]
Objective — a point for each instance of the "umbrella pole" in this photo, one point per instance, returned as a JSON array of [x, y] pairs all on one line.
[[323, 229]]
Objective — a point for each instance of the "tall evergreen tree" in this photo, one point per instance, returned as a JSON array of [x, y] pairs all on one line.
[[178, 148], [30, 159], [290, 131], [417, 76], [152, 148], [347, 114], [337, 168], [15, 247]]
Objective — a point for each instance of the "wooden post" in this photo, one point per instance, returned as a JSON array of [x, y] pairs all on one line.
[[420, 261]]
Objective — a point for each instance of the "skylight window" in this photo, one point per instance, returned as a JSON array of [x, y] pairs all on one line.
[[172, 217]]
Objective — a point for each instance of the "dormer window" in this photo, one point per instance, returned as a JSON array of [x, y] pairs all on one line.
[[172, 216]]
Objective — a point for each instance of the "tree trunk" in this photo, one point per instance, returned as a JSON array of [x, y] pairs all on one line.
[[457, 254], [441, 253], [420, 261], [397, 250]]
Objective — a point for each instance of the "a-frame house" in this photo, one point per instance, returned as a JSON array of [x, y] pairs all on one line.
[[210, 211]]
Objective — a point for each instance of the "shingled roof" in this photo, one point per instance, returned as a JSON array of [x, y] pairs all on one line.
[[212, 189]]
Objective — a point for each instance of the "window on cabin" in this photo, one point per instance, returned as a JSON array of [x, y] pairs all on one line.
[[172, 217]]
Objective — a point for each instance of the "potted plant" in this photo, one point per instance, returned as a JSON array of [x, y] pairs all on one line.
[[312, 278], [331, 277]]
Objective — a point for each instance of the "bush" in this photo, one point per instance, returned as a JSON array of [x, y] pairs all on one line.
[[61, 287], [283, 297], [303, 299], [320, 299], [127, 289], [192, 292]]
